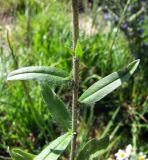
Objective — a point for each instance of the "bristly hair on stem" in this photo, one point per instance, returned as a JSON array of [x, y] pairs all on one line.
[[75, 22], [75, 64]]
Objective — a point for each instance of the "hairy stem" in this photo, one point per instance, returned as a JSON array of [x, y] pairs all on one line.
[[75, 34], [74, 106], [75, 22]]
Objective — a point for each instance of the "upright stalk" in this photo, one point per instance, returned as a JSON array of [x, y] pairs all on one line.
[[75, 22], [75, 35]]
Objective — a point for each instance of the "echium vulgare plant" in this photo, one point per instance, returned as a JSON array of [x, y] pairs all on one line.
[[49, 78]]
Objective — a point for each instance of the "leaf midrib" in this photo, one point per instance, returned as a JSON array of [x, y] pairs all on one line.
[[85, 99], [56, 146]]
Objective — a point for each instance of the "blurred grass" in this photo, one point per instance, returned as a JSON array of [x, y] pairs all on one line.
[[40, 34]]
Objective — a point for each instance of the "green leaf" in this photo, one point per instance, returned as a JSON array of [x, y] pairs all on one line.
[[108, 84], [78, 51], [51, 75], [92, 147], [56, 107], [96, 155], [18, 154], [55, 148]]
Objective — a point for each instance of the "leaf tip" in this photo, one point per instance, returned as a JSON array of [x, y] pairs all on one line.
[[137, 61], [133, 66]]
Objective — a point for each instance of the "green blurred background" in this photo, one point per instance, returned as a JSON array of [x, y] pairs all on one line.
[[112, 34]]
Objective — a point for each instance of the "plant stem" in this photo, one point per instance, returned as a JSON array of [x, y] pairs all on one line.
[[75, 34], [74, 106], [75, 22]]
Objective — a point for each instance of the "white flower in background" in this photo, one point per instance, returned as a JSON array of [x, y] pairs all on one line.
[[130, 150], [121, 155], [142, 156], [110, 159], [130, 154]]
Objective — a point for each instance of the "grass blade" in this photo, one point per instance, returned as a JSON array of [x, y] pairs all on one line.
[[92, 147], [18, 154]]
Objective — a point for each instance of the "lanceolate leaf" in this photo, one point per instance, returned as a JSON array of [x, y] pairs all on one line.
[[79, 51], [51, 75], [92, 147], [56, 107], [55, 148], [18, 154], [108, 84]]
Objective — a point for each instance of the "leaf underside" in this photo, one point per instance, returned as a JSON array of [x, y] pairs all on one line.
[[57, 108], [55, 148], [51, 152], [107, 84], [51, 75]]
